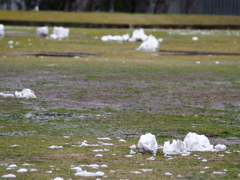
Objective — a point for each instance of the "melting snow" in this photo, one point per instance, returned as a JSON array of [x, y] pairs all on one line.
[[138, 35], [148, 144], [6, 95], [218, 172], [9, 176], [25, 93], [22, 170], [55, 147], [133, 147], [150, 44]]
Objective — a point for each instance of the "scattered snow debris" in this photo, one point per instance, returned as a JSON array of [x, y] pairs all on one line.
[[6, 95], [168, 174], [12, 166], [9, 176], [26, 164], [1, 30], [11, 46], [129, 155], [220, 147], [198, 62], [133, 147], [58, 178], [195, 142], [94, 166], [104, 166], [113, 154], [59, 32], [202, 172], [124, 37], [185, 154], [160, 40], [204, 160], [150, 44], [194, 38], [100, 150], [206, 167], [145, 170], [199, 158], [218, 172], [122, 140], [98, 155], [112, 171], [33, 170], [151, 158], [138, 35], [10, 42], [55, 147], [148, 144], [225, 170], [217, 62], [22, 170], [104, 138], [15, 145], [48, 172], [66, 137], [221, 155], [132, 152], [228, 152], [25, 93], [176, 147], [105, 144]]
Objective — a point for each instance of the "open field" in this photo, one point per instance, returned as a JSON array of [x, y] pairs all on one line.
[[121, 93], [119, 18]]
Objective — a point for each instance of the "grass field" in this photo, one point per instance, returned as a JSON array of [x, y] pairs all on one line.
[[120, 94], [119, 18]]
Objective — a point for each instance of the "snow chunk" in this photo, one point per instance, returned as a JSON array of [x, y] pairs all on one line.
[[6, 95], [124, 37], [104, 138], [176, 147], [84, 143], [58, 178], [218, 172], [55, 147], [89, 174], [148, 144], [194, 38], [22, 170], [133, 147], [1, 30], [138, 35], [60, 32], [150, 44], [9, 176], [168, 174], [25, 93], [195, 142], [220, 147], [42, 31]]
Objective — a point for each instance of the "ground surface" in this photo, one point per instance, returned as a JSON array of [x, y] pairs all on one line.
[[119, 93]]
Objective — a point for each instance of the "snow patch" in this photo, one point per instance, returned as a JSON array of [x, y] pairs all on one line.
[[25, 93], [148, 144], [150, 44], [42, 31]]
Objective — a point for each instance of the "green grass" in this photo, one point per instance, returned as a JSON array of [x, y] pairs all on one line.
[[121, 94], [119, 18]]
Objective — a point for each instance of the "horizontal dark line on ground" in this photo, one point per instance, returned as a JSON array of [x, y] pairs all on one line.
[[109, 25]]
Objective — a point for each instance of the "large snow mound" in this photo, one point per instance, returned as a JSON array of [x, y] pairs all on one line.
[[192, 142], [148, 144], [25, 93], [42, 31], [1, 30], [59, 32], [138, 35], [150, 44]]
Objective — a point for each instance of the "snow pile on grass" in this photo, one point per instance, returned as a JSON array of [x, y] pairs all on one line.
[[59, 32], [42, 31], [1, 30], [124, 37], [192, 142], [148, 144], [150, 44], [25, 93], [80, 172], [138, 35]]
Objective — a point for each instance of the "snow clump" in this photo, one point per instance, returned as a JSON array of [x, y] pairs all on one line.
[[148, 144], [124, 37], [150, 44], [25, 93], [138, 35], [1, 30], [42, 31], [59, 32]]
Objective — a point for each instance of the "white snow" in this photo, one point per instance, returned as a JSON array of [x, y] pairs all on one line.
[[100, 150], [58, 178], [150, 44], [84, 143], [218, 172], [124, 37], [192, 142], [59, 32], [122, 140], [22, 170], [138, 35], [1, 30], [9, 176], [98, 155], [133, 147], [6, 95], [151, 158], [42, 31], [194, 38], [104, 138], [168, 174], [82, 173], [12, 166], [148, 144], [10, 42], [55, 147], [25, 93]]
